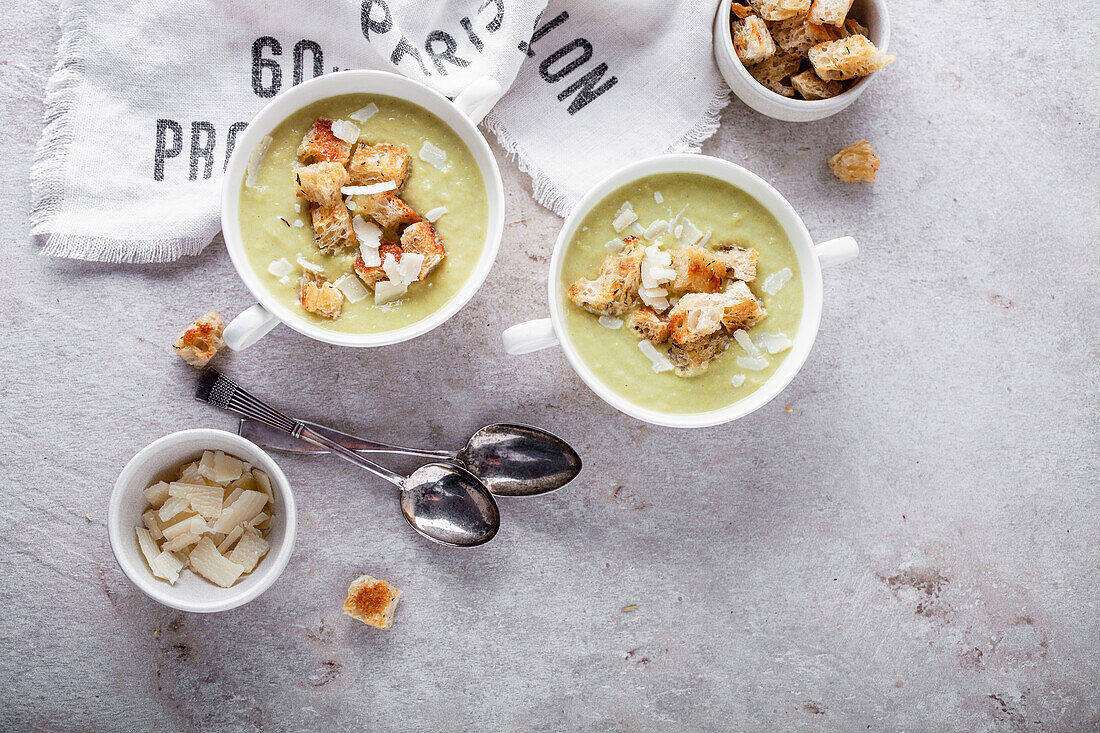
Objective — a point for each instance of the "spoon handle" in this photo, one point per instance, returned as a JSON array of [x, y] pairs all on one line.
[[266, 437], [219, 390]]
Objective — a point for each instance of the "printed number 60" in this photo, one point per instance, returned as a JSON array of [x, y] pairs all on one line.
[[273, 84]]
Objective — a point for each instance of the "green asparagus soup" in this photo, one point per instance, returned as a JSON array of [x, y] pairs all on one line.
[[275, 223], [611, 348]]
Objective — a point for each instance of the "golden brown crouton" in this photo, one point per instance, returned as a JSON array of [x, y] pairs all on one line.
[[847, 58], [811, 86], [853, 27], [695, 316], [740, 262], [780, 9], [320, 145], [387, 210], [202, 339], [856, 162], [371, 275], [320, 183], [798, 35], [698, 270], [695, 358], [332, 228], [771, 72], [831, 12], [742, 309], [421, 238], [372, 601], [615, 289], [318, 295], [751, 40], [739, 10], [377, 163], [649, 325]]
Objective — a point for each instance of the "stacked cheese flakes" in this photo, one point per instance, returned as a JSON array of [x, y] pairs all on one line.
[[353, 190], [803, 48], [213, 518]]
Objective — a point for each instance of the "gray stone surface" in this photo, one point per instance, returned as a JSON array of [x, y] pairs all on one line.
[[913, 546]]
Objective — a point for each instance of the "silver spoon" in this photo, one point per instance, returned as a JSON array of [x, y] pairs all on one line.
[[511, 460], [443, 502]]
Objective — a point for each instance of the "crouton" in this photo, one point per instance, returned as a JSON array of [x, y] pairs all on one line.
[[847, 58], [739, 10], [742, 309], [811, 86], [320, 183], [332, 228], [773, 70], [694, 359], [202, 339], [318, 295], [615, 289], [798, 35], [831, 12], [751, 40], [387, 210], [856, 162], [372, 601], [649, 325], [376, 163], [421, 238], [321, 145], [780, 9], [697, 271], [740, 262], [696, 316], [853, 27], [372, 275]]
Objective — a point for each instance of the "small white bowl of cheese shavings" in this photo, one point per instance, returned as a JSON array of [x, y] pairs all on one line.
[[202, 520]]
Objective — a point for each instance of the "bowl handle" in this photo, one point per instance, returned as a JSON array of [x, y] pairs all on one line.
[[249, 327], [478, 98], [523, 338], [836, 251]]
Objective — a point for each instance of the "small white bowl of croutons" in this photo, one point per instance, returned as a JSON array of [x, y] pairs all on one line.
[[202, 520], [800, 60]]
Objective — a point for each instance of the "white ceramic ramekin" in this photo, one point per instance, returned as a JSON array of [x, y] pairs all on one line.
[[158, 461], [871, 13], [462, 115], [540, 334]]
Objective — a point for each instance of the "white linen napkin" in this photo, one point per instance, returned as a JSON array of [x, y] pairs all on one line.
[[146, 99]]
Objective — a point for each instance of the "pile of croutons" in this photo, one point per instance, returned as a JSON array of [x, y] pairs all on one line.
[[806, 49], [353, 190]]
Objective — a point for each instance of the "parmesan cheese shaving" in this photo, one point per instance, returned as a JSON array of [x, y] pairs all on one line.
[[774, 343], [352, 287], [346, 131], [365, 113], [658, 197], [387, 292], [737, 380], [210, 564], [611, 322], [660, 361], [656, 228], [372, 188], [775, 281], [615, 245], [433, 156], [255, 160], [689, 234], [432, 216], [369, 236], [741, 336], [637, 228], [625, 217], [307, 265], [752, 363]]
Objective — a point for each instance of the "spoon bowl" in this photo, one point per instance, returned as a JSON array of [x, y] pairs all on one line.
[[449, 505], [519, 460]]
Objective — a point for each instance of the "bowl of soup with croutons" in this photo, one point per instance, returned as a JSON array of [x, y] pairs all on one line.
[[684, 290], [362, 208]]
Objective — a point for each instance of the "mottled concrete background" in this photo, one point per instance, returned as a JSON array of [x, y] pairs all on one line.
[[914, 546]]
